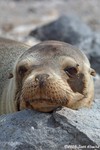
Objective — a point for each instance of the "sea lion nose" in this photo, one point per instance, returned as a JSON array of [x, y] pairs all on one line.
[[41, 78]]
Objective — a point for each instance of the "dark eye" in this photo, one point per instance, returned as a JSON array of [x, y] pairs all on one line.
[[22, 70], [71, 71]]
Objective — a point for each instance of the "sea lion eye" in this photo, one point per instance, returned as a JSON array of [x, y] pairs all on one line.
[[70, 71], [22, 70]]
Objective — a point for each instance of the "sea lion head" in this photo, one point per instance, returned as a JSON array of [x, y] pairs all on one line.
[[51, 74]]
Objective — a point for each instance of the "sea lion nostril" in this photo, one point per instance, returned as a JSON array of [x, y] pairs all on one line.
[[41, 78]]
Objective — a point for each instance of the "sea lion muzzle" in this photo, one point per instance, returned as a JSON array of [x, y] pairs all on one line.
[[41, 79]]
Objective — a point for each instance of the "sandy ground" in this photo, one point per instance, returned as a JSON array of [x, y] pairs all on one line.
[[19, 17]]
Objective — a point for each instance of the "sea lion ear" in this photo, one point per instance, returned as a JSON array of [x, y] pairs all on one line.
[[10, 75], [92, 72]]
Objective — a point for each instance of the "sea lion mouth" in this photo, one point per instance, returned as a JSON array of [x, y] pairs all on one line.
[[43, 105], [48, 101]]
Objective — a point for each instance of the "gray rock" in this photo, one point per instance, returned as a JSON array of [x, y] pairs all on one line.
[[85, 120], [91, 47], [66, 28], [97, 86], [60, 130], [95, 55]]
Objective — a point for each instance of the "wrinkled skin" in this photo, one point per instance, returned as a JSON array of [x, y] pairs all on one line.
[[52, 74]]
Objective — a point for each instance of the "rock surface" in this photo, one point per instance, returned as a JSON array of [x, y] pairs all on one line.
[[85, 120], [66, 28], [60, 130]]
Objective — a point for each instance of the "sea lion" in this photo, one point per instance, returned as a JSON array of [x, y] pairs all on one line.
[[9, 52], [49, 75]]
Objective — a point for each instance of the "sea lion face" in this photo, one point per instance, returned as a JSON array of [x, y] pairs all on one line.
[[47, 76]]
